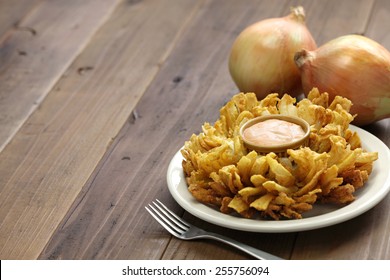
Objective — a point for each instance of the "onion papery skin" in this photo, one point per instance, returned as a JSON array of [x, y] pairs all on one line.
[[352, 66], [262, 56]]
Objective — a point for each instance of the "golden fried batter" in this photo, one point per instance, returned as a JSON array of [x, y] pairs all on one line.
[[221, 171]]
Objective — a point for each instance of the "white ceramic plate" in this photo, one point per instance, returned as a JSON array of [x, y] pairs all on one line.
[[375, 189]]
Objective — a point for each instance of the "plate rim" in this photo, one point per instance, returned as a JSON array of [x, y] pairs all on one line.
[[337, 216]]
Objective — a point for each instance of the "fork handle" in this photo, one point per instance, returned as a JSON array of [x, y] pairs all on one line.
[[258, 254]]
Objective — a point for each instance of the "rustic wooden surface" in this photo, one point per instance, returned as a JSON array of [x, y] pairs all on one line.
[[97, 96]]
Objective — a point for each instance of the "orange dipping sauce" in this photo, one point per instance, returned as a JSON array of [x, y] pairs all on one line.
[[273, 132]]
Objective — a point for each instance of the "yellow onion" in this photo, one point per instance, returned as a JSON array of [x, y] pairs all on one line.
[[262, 56], [352, 66]]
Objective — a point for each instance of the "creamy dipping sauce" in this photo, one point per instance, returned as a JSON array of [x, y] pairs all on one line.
[[273, 132]]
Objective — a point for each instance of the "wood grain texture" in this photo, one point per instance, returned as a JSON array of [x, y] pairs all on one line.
[[364, 237], [12, 13], [62, 142], [38, 51], [327, 20], [379, 20], [94, 150], [165, 110]]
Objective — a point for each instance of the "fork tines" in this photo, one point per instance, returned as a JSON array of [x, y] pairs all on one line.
[[169, 220]]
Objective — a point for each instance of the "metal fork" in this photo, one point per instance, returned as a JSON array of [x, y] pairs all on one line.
[[184, 230]]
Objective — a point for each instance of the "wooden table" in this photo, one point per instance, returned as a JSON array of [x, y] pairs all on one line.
[[96, 96]]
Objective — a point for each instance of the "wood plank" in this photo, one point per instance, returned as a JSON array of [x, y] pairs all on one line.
[[37, 53], [61, 143], [327, 20], [363, 238], [12, 13], [188, 90], [377, 26], [366, 236]]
